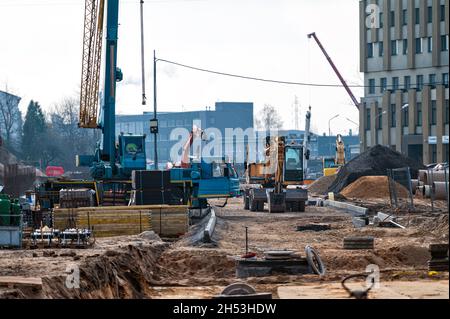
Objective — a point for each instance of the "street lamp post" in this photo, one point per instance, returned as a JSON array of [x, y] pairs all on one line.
[[329, 123]]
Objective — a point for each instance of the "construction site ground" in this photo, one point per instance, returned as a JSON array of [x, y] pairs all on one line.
[[139, 267]]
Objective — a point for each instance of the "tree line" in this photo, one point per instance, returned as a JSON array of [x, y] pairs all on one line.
[[44, 138]]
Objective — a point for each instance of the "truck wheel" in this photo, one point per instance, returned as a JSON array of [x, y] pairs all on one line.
[[253, 204], [294, 207], [246, 202], [301, 206], [260, 206]]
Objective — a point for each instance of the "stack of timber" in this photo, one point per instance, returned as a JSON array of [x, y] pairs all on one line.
[[166, 221]]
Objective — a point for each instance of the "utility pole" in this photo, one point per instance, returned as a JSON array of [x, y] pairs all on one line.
[[144, 98], [155, 131]]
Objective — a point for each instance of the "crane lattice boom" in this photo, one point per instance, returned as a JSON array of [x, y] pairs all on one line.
[[91, 62]]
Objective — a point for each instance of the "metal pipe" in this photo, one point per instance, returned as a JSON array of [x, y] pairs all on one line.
[[155, 108]]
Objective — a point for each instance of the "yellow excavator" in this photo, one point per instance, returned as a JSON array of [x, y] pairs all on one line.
[[331, 165]]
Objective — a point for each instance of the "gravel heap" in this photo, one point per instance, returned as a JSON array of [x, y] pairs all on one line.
[[373, 162]]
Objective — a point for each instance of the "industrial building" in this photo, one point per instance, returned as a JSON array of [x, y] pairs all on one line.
[[404, 57], [222, 116]]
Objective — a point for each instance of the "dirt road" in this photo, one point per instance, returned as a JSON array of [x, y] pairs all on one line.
[[134, 267]]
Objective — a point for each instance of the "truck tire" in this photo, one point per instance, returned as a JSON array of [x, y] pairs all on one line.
[[301, 206], [260, 206], [314, 261], [294, 207], [246, 202], [353, 243]]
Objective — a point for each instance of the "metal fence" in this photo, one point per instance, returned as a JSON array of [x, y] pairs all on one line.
[[400, 188]]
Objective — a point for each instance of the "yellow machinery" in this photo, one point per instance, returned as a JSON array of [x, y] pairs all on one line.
[[331, 165], [278, 181]]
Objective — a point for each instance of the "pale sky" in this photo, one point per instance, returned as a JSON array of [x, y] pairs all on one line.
[[41, 44]]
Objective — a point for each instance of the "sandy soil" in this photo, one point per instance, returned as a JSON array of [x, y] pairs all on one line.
[[133, 267]]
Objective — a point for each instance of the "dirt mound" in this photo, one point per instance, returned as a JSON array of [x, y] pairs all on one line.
[[373, 162], [194, 266], [320, 186], [434, 226], [372, 187]]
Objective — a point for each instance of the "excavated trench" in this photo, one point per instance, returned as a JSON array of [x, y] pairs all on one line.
[[135, 271]]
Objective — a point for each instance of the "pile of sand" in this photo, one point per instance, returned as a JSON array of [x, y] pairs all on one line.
[[373, 162], [320, 186], [372, 187]]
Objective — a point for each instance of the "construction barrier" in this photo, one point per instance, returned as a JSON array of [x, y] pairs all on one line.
[[165, 220]]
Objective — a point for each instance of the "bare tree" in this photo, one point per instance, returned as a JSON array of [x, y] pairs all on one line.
[[269, 119], [67, 136], [10, 118]]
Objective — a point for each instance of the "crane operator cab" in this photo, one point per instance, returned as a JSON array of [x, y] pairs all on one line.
[[131, 153]]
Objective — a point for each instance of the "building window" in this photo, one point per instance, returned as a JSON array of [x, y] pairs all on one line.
[[405, 46], [445, 79], [433, 112], [405, 116], [447, 114], [367, 119], [380, 48], [432, 80], [419, 113], [429, 14], [404, 17], [171, 123], [407, 82], [419, 82], [371, 86], [417, 20], [419, 45], [370, 50], [380, 118], [383, 85], [430, 44], [442, 12], [392, 19], [433, 153], [394, 47], [381, 20], [393, 115], [444, 42], [395, 83]]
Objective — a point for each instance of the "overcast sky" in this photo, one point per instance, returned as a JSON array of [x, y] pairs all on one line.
[[41, 44]]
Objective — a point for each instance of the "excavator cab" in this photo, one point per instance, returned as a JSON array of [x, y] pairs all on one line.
[[293, 166]]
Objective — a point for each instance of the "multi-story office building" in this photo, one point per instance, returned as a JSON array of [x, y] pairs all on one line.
[[404, 56]]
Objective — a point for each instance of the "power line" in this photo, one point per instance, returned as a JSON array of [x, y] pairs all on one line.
[[255, 78], [386, 87]]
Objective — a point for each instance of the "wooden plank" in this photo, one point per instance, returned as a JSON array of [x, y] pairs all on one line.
[[17, 281]]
